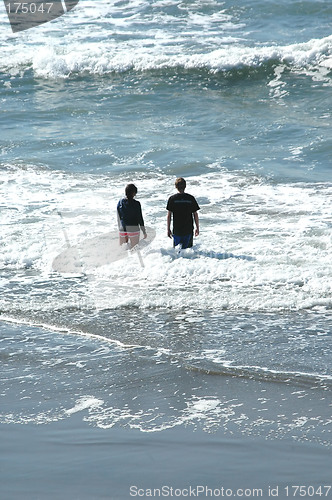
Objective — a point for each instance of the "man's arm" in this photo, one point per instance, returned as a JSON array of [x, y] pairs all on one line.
[[141, 221], [121, 224], [196, 223], [169, 218]]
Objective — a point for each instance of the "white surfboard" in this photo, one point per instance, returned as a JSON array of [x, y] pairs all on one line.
[[96, 252]]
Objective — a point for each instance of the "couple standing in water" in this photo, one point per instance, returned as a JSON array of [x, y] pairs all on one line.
[[182, 207]]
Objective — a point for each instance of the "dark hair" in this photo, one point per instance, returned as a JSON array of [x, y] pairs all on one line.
[[180, 184], [131, 190]]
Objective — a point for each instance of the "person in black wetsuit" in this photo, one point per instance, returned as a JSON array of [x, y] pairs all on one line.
[[130, 218], [184, 209]]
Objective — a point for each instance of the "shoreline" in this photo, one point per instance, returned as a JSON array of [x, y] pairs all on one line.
[[70, 459]]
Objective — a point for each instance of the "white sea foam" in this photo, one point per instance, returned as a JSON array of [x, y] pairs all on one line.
[[96, 58], [104, 37], [85, 403], [262, 246]]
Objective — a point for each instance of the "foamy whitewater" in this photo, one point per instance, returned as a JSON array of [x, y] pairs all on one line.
[[232, 336]]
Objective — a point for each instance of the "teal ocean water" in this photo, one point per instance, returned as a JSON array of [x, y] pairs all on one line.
[[232, 337]]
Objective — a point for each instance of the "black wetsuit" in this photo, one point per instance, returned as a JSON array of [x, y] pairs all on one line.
[[130, 215]]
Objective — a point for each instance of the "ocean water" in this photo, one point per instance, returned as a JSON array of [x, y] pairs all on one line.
[[231, 338]]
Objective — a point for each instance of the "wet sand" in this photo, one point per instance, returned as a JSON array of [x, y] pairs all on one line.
[[71, 460]]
